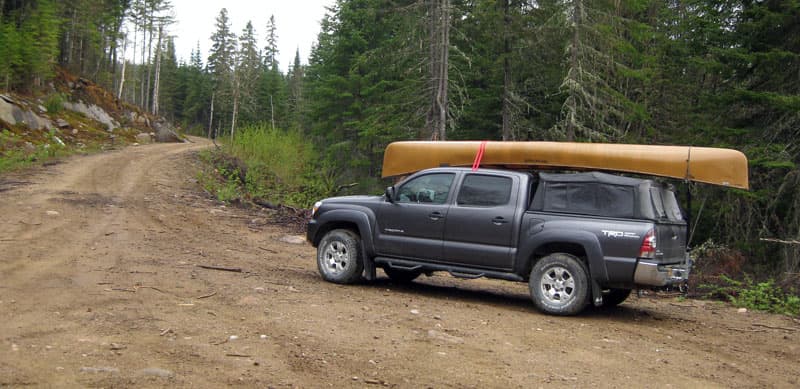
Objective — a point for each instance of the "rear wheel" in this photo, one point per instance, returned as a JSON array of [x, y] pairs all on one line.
[[615, 297], [339, 257], [401, 276], [559, 284]]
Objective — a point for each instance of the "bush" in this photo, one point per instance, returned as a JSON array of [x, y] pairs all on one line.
[[762, 296], [54, 103], [275, 166]]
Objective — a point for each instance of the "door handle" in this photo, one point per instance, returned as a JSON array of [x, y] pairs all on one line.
[[435, 215], [499, 221]]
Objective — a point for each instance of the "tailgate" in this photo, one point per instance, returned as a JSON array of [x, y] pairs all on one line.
[[670, 242]]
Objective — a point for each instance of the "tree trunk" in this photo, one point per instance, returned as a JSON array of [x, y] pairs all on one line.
[[149, 60], [439, 26], [508, 133], [211, 116], [132, 93], [272, 112], [235, 107], [574, 65], [141, 70], [156, 86], [121, 85]]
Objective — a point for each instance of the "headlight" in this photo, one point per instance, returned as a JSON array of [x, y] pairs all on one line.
[[315, 208]]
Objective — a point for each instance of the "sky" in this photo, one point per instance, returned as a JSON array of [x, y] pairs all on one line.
[[297, 22]]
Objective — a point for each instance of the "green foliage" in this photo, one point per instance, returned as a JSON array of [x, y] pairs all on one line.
[[762, 296], [29, 45], [15, 158], [54, 103], [263, 164]]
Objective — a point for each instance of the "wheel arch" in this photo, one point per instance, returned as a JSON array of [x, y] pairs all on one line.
[[583, 245], [357, 221]]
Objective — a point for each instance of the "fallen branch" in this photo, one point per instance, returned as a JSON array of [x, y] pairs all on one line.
[[221, 268], [744, 329], [151, 287], [206, 295], [795, 242], [238, 355], [168, 330], [774, 328], [123, 290], [683, 306], [268, 250]]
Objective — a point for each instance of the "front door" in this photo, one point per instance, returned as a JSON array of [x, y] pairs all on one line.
[[413, 226]]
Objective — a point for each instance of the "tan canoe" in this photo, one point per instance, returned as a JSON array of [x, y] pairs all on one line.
[[724, 167]]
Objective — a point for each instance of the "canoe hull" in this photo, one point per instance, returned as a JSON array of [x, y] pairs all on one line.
[[716, 166]]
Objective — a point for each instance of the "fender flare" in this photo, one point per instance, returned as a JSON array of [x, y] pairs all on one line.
[[591, 245], [360, 218]]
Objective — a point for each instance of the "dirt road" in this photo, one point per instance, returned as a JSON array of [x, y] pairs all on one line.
[[100, 287]]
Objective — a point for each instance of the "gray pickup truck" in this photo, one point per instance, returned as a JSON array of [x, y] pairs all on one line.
[[576, 238]]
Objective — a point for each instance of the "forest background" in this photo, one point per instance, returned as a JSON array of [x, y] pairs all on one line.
[[720, 73]]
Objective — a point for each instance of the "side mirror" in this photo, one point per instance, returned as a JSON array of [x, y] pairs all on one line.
[[389, 194]]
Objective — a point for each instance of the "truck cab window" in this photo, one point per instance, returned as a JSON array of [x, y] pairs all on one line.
[[484, 191], [430, 188]]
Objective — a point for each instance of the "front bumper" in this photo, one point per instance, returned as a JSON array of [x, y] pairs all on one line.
[[311, 231], [652, 273]]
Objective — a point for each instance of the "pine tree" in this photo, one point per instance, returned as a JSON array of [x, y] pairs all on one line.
[[196, 105], [248, 72], [602, 72], [271, 49], [10, 53], [296, 100], [221, 66], [40, 33]]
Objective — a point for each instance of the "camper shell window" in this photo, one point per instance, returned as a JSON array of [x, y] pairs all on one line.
[[604, 195]]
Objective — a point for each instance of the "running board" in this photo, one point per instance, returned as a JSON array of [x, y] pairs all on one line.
[[455, 271]]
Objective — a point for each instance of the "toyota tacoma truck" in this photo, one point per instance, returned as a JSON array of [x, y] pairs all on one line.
[[576, 238]]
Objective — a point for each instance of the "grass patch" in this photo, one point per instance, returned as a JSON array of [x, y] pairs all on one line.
[[20, 154]]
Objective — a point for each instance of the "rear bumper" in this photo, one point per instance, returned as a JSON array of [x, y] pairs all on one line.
[[652, 273]]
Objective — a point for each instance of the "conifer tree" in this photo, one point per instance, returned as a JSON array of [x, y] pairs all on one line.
[[248, 72], [221, 66]]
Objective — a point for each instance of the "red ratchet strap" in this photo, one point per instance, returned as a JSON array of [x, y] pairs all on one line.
[[479, 156]]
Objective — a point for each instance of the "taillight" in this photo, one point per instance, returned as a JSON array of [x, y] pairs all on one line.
[[648, 247]]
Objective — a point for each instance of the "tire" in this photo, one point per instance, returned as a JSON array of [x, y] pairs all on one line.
[[401, 276], [339, 257], [615, 297], [559, 284]]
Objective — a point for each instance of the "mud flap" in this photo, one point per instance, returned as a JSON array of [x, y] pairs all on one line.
[[597, 294], [369, 265]]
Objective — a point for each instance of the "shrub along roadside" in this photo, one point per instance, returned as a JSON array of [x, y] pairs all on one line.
[[762, 296], [267, 166], [719, 273]]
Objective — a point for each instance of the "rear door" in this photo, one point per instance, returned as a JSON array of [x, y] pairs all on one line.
[[413, 226], [480, 225]]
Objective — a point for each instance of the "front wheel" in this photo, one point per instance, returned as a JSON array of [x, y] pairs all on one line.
[[559, 284], [339, 257]]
